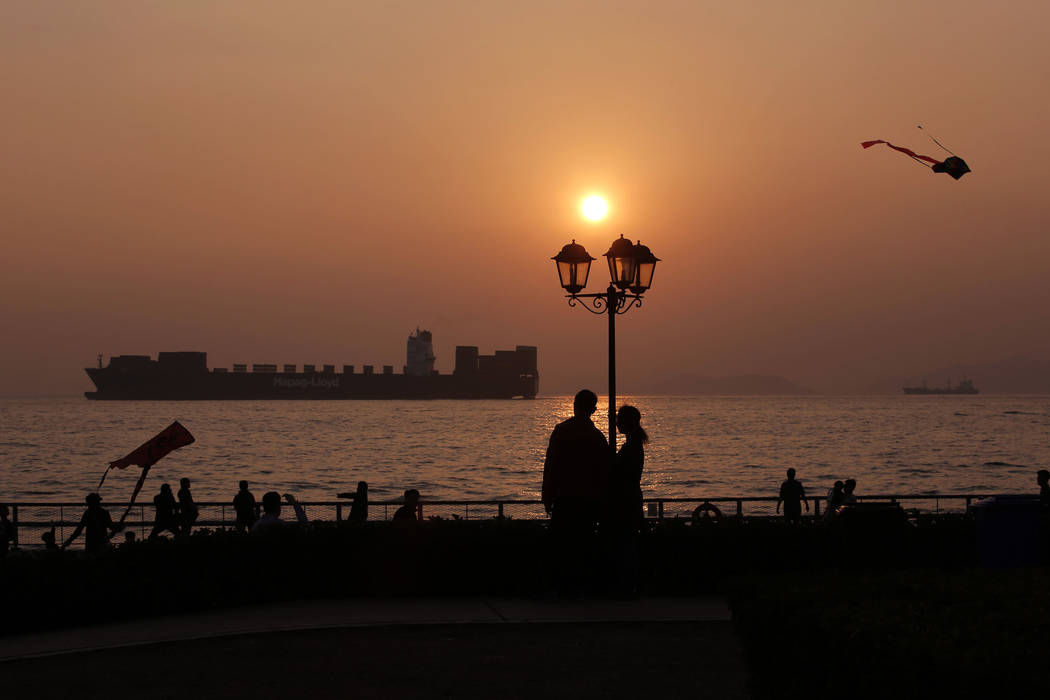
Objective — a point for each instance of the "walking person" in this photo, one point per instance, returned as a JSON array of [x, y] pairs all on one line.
[[623, 516], [575, 477], [97, 525], [244, 506], [187, 508], [165, 517], [793, 496]]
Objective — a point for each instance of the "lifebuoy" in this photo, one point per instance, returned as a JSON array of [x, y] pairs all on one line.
[[707, 511]]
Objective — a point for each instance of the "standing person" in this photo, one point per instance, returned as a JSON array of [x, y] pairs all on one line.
[[359, 508], [793, 496], [1042, 478], [623, 516], [359, 505], [187, 508], [97, 523], [575, 477], [165, 518], [244, 506]]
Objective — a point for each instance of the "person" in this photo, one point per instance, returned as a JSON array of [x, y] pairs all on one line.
[[98, 525], [848, 487], [359, 506], [575, 476], [7, 531], [244, 506], [793, 496], [49, 538], [1042, 478], [835, 496], [165, 517], [187, 508], [624, 516], [271, 517], [410, 511]]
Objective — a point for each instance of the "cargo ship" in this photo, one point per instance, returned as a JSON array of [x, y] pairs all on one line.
[[185, 376], [965, 386]]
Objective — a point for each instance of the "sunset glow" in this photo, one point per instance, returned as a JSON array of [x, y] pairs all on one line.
[[594, 208]]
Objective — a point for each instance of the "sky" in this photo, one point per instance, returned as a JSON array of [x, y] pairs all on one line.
[[309, 182]]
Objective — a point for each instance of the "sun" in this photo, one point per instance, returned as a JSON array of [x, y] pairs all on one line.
[[594, 208]]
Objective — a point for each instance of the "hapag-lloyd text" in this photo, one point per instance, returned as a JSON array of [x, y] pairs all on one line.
[[304, 382]]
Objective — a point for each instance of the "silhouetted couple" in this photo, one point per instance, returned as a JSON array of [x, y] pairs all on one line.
[[177, 517], [584, 484], [840, 494]]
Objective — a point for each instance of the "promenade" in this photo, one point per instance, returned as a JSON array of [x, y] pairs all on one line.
[[403, 647]]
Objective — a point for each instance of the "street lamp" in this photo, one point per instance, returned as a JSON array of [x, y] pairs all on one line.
[[631, 268]]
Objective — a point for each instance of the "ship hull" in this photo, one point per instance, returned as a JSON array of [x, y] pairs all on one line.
[[939, 392], [185, 377]]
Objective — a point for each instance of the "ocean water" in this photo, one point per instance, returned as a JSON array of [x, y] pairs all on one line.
[[57, 449]]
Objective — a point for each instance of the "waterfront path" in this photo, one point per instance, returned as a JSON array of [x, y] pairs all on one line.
[[412, 647]]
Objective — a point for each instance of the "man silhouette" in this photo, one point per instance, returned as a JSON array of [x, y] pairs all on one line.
[[575, 473], [793, 496], [244, 506]]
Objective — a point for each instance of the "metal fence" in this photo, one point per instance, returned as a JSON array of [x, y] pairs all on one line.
[[32, 520]]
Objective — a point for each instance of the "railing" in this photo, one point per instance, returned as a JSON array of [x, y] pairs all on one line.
[[31, 519]]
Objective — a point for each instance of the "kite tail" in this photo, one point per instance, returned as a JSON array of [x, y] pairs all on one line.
[[922, 160], [943, 147], [102, 480], [138, 487]]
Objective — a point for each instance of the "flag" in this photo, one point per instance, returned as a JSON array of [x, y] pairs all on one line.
[[149, 453]]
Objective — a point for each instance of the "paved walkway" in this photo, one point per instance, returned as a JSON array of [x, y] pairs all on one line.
[[361, 612]]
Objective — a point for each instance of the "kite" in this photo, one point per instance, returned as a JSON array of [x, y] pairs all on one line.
[[149, 453], [953, 165]]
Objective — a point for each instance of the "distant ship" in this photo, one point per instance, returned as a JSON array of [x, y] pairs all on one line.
[[965, 386], [185, 376]]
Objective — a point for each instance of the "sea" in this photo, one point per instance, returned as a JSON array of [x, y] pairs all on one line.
[[701, 446]]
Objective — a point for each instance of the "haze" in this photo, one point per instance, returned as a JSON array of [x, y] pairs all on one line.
[[309, 182]]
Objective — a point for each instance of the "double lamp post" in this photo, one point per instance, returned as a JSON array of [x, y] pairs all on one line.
[[631, 268]]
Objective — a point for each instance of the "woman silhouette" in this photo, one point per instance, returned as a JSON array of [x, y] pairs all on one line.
[[625, 498]]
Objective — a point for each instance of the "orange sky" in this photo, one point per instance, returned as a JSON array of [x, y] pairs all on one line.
[[308, 182]]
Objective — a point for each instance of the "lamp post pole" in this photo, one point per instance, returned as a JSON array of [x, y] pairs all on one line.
[[611, 300], [631, 267]]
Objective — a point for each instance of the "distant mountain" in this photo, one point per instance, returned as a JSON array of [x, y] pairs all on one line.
[[1017, 375], [741, 385]]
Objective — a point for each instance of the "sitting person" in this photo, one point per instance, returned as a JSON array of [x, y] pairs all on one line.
[[410, 511], [835, 497], [271, 503], [848, 498], [49, 538]]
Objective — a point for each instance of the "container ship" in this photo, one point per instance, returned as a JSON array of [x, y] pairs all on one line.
[[964, 386], [173, 376]]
